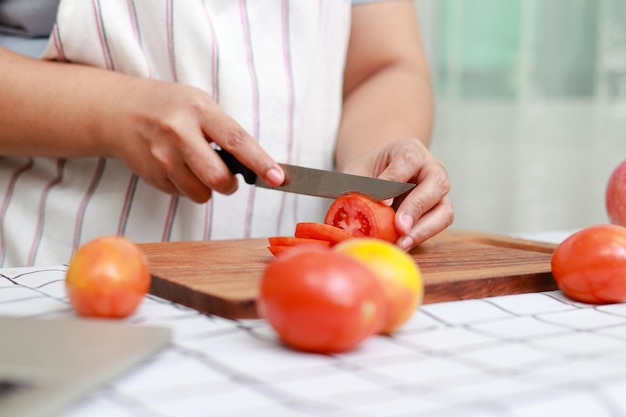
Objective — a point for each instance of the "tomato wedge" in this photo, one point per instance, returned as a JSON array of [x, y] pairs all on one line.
[[280, 244], [277, 250], [321, 231], [295, 241], [361, 216]]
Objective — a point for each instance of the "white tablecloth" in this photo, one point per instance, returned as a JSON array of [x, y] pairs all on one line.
[[521, 355]]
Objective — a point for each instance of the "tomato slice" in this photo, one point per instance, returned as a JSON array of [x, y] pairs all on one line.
[[362, 217], [321, 231], [280, 244], [278, 250], [295, 241]]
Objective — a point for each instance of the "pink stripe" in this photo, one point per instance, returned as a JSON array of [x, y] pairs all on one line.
[[130, 191], [170, 46], [133, 21], [57, 43], [41, 211], [169, 220], [208, 207], [128, 201], [97, 15], [136, 31], [132, 184], [255, 110], [289, 80], [288, 75], [253, 81], [214, 94], [7, 199], [83, 204]]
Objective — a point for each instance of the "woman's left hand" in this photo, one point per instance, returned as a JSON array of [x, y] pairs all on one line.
[[425, 210]]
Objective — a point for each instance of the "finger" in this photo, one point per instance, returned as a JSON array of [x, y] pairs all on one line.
[[403, 166], [431, 223], [227, 133], [164, 184], [205, 166], [433, 185], [190, 186]]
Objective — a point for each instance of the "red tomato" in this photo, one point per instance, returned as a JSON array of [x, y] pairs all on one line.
[[279, 250], [107, 277], [280, 244], [590, 265], [321, 231], [363, 217], [295, 241], [321, 301]]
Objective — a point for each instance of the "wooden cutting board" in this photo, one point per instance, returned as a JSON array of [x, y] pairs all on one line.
[[222, 277]]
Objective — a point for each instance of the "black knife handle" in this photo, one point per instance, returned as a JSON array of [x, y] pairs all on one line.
[[237, 167]]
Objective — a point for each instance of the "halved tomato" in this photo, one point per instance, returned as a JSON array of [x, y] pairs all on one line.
[[321, 231], [361, 216]]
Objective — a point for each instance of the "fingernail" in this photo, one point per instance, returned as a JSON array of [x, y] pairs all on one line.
[[275, 176], [407, 243], [407, 222]]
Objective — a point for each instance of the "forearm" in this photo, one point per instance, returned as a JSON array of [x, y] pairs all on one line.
[[394, 103], [160, 130], [387, 93], [55, 109]]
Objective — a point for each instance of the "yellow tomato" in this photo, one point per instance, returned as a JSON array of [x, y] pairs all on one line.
[[397, 271]]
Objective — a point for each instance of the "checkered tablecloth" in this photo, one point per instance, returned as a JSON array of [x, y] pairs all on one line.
[[521, 355]]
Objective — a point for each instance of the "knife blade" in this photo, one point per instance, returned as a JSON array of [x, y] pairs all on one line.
[[319, 183]]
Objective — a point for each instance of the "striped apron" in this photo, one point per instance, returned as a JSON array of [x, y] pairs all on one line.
[[275, 66]]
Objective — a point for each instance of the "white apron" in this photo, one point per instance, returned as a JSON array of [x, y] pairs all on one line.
[[275, 66]]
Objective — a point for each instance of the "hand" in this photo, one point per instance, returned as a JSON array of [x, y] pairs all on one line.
[[162, 131], [425, 211], [165, 138]]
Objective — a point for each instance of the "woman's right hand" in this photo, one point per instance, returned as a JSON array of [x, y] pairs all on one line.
[[161, 130], [166, 136]]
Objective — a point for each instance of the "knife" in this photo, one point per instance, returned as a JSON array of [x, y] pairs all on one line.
[[319, 183]]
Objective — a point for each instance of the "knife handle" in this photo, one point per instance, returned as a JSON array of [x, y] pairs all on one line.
[[237, 167]]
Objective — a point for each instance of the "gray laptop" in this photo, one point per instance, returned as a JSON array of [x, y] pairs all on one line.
[[46, 364]]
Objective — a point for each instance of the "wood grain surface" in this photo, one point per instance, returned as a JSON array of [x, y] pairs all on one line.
[[222, 277]]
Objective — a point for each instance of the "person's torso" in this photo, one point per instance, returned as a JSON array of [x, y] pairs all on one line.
[[276, 66]]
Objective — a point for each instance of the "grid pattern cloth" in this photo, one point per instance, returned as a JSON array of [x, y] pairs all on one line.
[[522, 355]]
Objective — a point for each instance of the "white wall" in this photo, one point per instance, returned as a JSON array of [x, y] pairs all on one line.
[[533, 162]]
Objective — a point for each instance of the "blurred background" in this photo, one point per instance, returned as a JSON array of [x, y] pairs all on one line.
[[530, 108]]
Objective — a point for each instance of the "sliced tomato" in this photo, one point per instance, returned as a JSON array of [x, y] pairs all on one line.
[[361, 216], [280, 244], [321, 231], [295, 241], [277, 250]]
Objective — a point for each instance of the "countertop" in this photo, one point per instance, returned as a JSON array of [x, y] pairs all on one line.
[[534, 355]]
